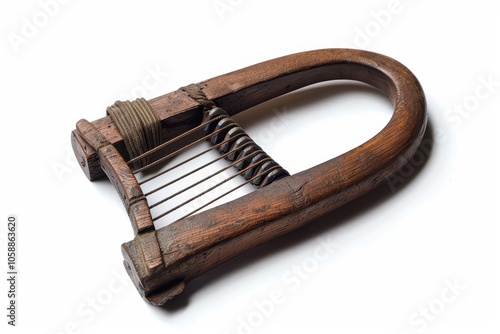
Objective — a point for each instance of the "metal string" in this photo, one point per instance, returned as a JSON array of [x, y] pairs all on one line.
[[182, 149], [191, 158], [217, 185], [173, 140], [210, 176], [226, 193], [141, 158], [197, 169]]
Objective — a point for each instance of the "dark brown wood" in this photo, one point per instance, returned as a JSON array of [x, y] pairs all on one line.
[[195, 244], [121, 176]]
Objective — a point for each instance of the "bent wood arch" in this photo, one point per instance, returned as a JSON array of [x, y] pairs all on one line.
[[186, 248]]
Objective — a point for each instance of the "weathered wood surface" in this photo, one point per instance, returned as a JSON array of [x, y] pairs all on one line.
[[200, 242]]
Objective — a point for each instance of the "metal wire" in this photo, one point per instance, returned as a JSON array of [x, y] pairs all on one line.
[[215, 186]]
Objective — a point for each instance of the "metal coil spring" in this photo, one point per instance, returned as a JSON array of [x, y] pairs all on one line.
[[239, 148]]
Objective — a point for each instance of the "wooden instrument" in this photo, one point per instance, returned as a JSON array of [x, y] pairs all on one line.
[[161, 261]]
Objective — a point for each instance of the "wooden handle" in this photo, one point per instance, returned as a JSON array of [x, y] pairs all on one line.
[[194, 245]]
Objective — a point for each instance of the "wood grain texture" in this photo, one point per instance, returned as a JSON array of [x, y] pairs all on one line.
[[194, 245]]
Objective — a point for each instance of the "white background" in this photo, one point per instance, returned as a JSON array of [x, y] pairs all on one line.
[[391, 256]]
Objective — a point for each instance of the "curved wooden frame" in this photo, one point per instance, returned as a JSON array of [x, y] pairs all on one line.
[[160, 262]]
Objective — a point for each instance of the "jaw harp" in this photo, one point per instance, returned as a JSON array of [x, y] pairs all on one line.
[[137, 137]]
